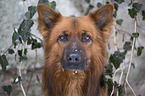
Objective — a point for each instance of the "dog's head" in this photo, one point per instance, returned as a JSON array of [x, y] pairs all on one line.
[[76, 41]]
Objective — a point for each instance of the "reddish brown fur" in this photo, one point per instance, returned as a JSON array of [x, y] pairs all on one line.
[[58, 82]]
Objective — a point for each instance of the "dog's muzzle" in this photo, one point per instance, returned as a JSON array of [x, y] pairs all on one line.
[[74, 57], [74, 60]]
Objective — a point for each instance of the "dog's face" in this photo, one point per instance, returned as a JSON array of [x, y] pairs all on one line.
[[75, 40]]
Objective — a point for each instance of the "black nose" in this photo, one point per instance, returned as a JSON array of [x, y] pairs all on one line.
[[74, 58]]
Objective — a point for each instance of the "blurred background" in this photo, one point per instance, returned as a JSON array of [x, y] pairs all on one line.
[[28, 69]]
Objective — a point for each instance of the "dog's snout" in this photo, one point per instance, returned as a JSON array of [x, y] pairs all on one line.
[[74, 58]]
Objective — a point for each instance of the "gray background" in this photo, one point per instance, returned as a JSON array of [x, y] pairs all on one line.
[[11, 15]]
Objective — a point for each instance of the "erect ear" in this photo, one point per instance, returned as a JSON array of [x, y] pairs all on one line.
[[47, 18], [103, 16]]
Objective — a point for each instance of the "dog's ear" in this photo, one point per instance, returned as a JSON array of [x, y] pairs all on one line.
[[47, 18], [48, 15], [103, 18], [103, 15]]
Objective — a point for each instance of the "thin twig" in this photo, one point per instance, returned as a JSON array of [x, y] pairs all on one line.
[[29, 3], [115, 44], [22, 88], [32, 73], [129, 66], [36, 37], [113, 80], [122, 31], [119, 69], [24, 6], [7, 49], [117, 94], [120, 75], [140, 27], [20, 73]]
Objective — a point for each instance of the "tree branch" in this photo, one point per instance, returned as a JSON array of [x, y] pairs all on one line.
[[32, 73], [20, 73], [130, 61]]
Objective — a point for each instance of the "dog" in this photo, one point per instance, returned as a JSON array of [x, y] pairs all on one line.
[[74, 51]]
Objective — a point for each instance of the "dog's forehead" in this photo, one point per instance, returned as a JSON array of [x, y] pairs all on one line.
[[76, 24]]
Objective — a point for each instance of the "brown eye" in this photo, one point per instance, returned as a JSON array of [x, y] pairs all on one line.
[[63, 38], [86, 37]]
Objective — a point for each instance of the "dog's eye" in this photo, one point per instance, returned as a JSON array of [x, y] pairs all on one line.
[[63, 38], [86, 38]]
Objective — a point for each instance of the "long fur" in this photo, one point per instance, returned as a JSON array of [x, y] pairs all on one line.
[[59, 82]]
